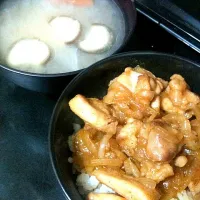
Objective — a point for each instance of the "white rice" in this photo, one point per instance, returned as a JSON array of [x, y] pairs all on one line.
[[70, 138], [76, 128], [87, 184], [70, 160]]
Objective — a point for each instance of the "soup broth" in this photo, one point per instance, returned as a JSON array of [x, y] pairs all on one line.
[[21, 19]]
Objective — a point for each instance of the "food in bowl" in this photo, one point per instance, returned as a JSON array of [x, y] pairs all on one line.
[[77, 33], [140, 141]]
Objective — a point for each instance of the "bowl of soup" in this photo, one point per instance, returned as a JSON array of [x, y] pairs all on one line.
[[46, 43], [128, 128]]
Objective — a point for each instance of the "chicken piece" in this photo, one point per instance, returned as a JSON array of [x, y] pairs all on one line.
[[144, 93], [129, 189], [143, 84], [181, 123], [167, 105], [156, 171], [157, 140], [155, 104], [177, 98], [134, 93], [95, 196], [127, 137], [97, 116], [121, 100], [117, 93], [163, 142], [156, 84], [129, 79]]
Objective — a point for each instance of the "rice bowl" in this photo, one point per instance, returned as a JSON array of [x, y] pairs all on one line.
[[99, 92]]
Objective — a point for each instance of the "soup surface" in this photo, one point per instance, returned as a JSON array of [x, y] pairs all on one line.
[[30, 19]]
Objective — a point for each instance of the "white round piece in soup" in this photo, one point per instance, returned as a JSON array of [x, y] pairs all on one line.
[[28, 52], [66, 29], [98, 39]]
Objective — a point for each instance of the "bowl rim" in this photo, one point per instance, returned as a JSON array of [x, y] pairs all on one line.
[[54, 75], [65, 92]]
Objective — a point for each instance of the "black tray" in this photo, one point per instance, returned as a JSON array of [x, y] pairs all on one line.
[[180, 18]]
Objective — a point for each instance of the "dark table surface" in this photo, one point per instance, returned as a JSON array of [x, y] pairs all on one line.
[[25, 169]]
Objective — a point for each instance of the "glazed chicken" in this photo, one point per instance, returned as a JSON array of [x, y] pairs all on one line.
[[177, 97], [135, 94], [142, 139]]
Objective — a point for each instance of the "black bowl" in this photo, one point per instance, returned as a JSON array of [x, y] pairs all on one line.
[[55, 83], [93, 82]]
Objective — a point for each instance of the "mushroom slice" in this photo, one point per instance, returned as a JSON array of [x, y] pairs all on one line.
[[65, 29], [28, 52], [129, 189], [98, 39], [95, 196]]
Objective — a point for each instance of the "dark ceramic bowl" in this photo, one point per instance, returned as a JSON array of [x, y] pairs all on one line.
[[55, 83], [93, 82]]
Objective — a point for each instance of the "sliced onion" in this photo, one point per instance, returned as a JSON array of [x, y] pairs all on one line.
[[147, 182], [119, 154], [89, 143], [131, 168], [103, 144], [104, 162]]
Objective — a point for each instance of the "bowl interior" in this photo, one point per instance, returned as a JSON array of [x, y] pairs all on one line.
[[93, 82]]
